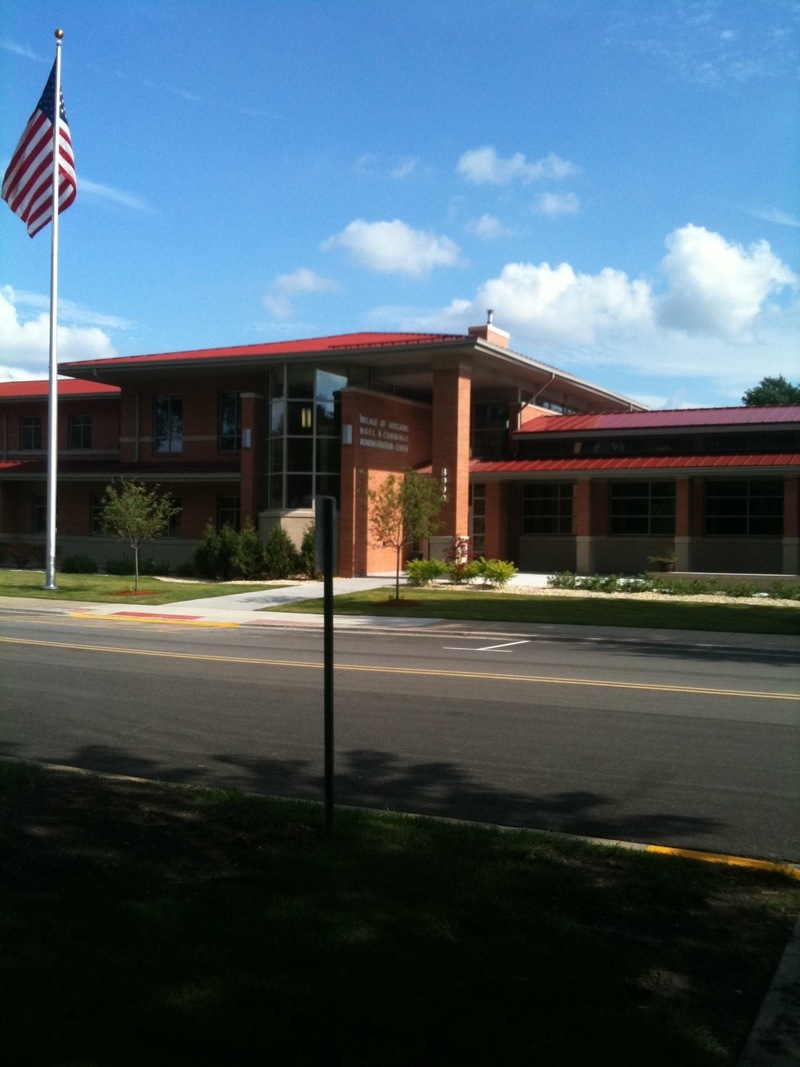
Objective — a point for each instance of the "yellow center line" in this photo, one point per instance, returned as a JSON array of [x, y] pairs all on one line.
[[422, 672]]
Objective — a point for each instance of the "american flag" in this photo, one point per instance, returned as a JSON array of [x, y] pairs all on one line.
[[28, 181]]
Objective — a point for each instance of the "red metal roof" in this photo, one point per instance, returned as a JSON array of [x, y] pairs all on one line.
[[66, 387], [618, 463], [656, 420], [277, 348]]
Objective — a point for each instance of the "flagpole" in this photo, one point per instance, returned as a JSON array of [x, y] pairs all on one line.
[[52, 393]]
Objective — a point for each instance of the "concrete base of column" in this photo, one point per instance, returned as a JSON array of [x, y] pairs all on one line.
[[791, 555], [584, 555]]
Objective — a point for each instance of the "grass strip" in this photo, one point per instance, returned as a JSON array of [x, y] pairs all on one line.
[[108, 589], [152, 923], [498, 606]]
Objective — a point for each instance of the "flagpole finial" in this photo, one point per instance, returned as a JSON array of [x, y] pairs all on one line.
[[59, 34]]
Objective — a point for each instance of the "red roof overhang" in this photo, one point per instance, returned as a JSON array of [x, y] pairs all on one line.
[[635, 463], [688, 418]]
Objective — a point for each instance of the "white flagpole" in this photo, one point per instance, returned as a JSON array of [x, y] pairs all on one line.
[[52, 395]]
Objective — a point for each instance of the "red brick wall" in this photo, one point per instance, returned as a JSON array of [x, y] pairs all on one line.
[[451, 425], [377, 422], [497, 521]]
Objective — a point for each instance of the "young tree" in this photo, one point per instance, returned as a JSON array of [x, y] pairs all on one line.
[[136, 514], [772, 391], [403, 510]]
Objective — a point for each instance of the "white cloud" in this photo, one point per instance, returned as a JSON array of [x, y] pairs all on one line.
[[776, 216], [549, 305], [117, 196], [718, 288], [405, 167], [555, 204], [717, 321], [488, 227], [395, 248], [20, 50], [25, 345], [286, 286], [484, 166]]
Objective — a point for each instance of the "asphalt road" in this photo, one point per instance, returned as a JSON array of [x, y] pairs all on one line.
[[692, 744]]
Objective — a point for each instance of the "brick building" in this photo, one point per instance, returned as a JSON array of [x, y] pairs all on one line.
[[537, 465]]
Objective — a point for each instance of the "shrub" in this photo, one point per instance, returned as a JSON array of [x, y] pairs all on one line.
[[424, 571], [215, 556], [281, 558], [562, 580], [308, 552], [79, 564], [247, 556], [123, 566], [492, 572]]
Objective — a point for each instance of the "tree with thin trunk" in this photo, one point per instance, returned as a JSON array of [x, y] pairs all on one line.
[[404, 509], [136, 514]]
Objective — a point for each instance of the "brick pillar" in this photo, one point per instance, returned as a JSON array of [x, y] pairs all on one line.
[[791, 524], [582, 525], [251, 468], [452, 391], [684, 501], [497, 519]]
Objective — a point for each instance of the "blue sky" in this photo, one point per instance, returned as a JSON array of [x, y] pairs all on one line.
[[618, 180]]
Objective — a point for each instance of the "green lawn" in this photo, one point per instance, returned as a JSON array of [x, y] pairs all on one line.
[[483, 605], [144, 923], [107, 589]]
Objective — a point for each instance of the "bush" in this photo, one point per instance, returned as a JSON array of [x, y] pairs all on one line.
[[123, 566], [247, 557], [281, 558], [424, 571], [308, 552], [492, 572], [216, 555], [79, 564]]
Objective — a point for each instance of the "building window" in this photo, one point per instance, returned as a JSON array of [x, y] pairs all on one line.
[[97, 506], [80, 431], [641, 508], [489, 436], [229, 512], [31, 432], [547, 508], [39, 513], [741, 508], [174, 523], [169, 424], [477, 502], [304, 415], [230, 422]]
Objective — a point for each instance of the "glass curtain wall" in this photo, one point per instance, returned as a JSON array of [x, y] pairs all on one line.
[[304, 436]]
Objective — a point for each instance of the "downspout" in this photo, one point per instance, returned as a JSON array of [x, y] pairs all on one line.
[[137, 428]]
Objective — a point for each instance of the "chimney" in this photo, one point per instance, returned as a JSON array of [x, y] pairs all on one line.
[[490, 332]]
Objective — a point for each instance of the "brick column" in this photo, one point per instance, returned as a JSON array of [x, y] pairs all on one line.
[[497, 519], [684, 502], [582, 525], [791, 524], [251, 468], [452, 391]]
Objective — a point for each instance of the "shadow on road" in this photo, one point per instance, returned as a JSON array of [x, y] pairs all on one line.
[[382, 780]]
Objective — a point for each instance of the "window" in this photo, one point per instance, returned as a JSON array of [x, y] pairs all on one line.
[[174, 524], [739, 507], [31, 432], [489, 437], [642, 508], [169, 424], [230, 422], [547, 508], [39, 513], [229, 512], [477, 500], [80, 431], [97, 506]]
